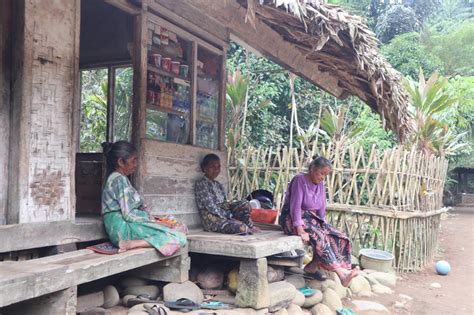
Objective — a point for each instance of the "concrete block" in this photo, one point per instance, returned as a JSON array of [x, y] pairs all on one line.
[[252, 284]]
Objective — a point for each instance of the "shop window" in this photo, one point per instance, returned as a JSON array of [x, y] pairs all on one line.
[[183, 86]]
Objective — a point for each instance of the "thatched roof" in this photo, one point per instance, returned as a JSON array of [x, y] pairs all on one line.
[[324, 45], [341, 45]]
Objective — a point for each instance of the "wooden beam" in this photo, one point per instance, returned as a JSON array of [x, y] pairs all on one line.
[[192, 19], [22, 280], [268, 42], [266, 243], [35, 235], [125, 6]]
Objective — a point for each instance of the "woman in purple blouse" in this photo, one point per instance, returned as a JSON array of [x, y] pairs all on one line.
[[303, 214]]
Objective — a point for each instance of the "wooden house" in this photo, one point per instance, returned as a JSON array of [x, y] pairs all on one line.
[[176, 50]]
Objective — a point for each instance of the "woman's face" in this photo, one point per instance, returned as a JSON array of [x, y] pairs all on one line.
[[128, 166], [212, 169], [317, 175]]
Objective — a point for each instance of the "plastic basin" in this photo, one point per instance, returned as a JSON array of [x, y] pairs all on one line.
[[375, 259], [264, 215]]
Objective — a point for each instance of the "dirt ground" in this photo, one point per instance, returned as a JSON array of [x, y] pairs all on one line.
[[456, 294]]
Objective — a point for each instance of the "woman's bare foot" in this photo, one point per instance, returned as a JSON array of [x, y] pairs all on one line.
[[312, 267], [122, 246], [127, 245], [255, 229], [350, 274]]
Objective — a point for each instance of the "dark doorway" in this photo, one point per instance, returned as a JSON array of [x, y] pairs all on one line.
[[106, 95]]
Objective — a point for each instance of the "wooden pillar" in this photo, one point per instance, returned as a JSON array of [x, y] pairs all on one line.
[[45, 63], [5, 81], [140, 50]]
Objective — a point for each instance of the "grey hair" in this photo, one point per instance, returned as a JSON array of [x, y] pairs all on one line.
[[319, 162]]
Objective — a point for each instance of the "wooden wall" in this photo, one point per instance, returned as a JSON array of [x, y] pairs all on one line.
[[42, 150], [105, 33], [168, 174], [5, 68]]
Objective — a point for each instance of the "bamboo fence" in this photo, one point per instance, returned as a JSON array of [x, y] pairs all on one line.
[[391, 200]]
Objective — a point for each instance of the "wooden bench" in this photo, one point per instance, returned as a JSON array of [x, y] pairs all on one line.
[[168, 172], [55, 278]]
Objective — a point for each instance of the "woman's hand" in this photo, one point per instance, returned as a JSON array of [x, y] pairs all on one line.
[[301, 232]]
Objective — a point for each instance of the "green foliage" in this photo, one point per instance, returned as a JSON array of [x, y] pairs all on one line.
[[94, 88], [374, 133], [396, 20], [123, 103], [453, 44], [235, 107], [93, 109], [266, 123], [429, 99], [461, 116], [356, 7], [408, 55]]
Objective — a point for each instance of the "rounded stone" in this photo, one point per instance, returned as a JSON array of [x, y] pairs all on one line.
[[275, 274], [187, 289], [299, 299], [340, 290], [111, 297], [321, 309], [381, 289], [210, 278], [126, 298], [152, 290], [296, 280], [332, 300], [294, 309], [360, 285], [313, 300]]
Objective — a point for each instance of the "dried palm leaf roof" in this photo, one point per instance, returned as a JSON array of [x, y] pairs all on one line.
[[342, 45]]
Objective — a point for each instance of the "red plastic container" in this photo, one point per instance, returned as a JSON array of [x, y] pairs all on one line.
[[264, 215]]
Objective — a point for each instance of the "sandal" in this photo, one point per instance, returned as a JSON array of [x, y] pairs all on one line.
[[183, 305], [155, 310], [307, 291], [214, 305], [317, 275], [140, 299]]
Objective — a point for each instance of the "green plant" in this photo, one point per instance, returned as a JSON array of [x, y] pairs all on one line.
[[428, 100]]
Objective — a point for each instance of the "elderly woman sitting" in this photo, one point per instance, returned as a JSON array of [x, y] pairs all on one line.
[[217, 214], [126, 218]]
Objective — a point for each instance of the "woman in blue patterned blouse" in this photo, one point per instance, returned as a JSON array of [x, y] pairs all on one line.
[[217, 214]]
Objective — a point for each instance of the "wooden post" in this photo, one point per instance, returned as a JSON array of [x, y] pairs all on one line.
[[41, 179], [140, 50], [5, 81]]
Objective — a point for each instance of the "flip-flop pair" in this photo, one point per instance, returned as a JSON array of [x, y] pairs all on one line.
[[183, 305]]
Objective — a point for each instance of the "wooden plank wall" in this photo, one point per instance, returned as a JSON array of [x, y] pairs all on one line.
[[168, 174], [5, 71]]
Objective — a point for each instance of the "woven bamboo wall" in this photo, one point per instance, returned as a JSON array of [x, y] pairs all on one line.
[[399, 179], [391, 200]]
